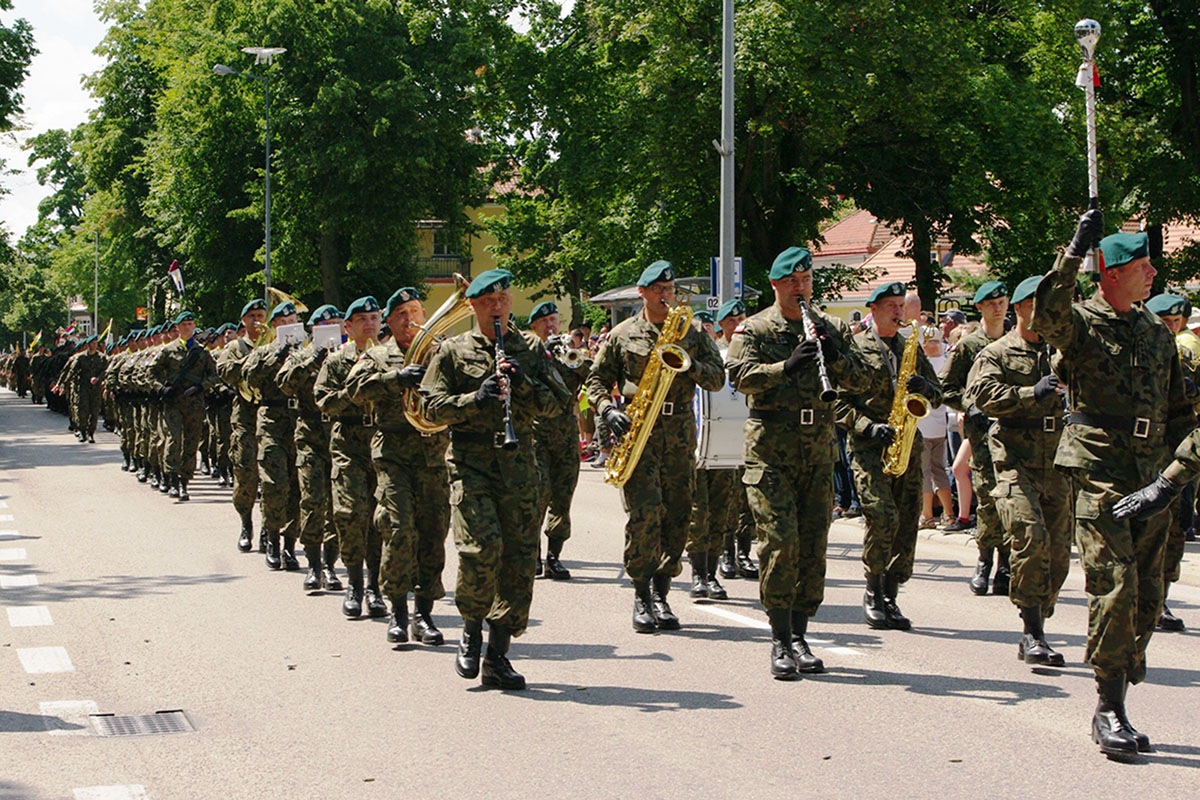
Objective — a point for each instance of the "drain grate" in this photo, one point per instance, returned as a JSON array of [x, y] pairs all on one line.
[[142, 724]]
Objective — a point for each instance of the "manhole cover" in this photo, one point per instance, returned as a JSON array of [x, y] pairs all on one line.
[[142, 724]]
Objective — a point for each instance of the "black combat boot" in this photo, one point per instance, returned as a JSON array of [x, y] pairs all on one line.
[[805, 660], [205, 469], [466, 662], [663, 615], [1109, 727], [262, 541], [1143, 741], [312, 578], [1166, 620], [144, 474], [289, 554], [896, 621], [154, 479], [498, 671], [1003, 574], [1033, 648], [728, 565], [783, 660], [699, 590], [376, 605], [273, 559], [746, 567], [173, 486], [125, 466], [423, 629], [554, 570], [874, 613], [329, 557], [352, 603], [715, 590], [983, 571], [164, 482], [397, 631], [643, 617], [183, 492], [246, 537]]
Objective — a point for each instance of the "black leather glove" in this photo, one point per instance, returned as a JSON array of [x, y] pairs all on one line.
[[490, 389], [1046, 386], [805, 352], [917, 385], [1147, 501], [410, 376], [320, 355], [618, 421], [167, 392], [828, 348], [882, 432], [191, 391], [1088, 234], [282, 348], [977, 415], [512, 369]]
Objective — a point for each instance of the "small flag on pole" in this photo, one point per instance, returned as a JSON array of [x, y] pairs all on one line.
[[106, 336], [36, 341], [176, 274]]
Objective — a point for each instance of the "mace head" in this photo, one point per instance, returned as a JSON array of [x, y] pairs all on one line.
[[1087, 33]]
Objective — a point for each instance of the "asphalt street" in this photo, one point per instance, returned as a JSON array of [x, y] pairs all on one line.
[[119, 601]]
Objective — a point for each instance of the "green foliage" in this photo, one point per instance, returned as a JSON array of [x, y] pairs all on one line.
[[16, 51]]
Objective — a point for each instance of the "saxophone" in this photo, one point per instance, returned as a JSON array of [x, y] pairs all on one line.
[[450, 313], [907, 408], [667, 360]]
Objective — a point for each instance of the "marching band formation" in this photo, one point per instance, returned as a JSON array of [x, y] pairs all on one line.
[[371, 434]]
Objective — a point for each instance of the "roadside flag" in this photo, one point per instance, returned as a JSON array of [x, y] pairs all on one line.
[[176, 274]]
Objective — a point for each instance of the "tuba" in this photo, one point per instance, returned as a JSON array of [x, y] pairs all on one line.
[[450, 313], [667, 360], [907, 408]]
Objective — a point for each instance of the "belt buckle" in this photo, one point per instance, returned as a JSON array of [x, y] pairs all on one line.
[[668, 409], [1048, 424], [367, 421], [806, 416], [293, 403], [1141, 428]]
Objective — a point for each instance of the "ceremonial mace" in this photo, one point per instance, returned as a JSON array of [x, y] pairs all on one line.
[[1087, 33]]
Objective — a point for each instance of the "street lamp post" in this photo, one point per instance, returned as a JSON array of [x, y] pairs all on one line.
[[262, 55], [96, 288]]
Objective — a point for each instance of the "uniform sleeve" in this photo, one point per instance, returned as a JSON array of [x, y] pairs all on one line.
[[606, 370], [850, 410], [954, 379], [441, 402], [1186, 466], [370, 381], [748, 371], [229, 365], [1181, 417], [708, 368], [847, 372], [329, 391], [1053, 314], [543, 385], [990, 393]]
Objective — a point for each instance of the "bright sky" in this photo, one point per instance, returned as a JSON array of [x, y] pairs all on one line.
[[65, 33]]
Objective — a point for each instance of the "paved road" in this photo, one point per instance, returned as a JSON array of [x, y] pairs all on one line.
[[120, 601]]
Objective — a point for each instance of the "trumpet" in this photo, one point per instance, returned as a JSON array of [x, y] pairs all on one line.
[[570, 357]]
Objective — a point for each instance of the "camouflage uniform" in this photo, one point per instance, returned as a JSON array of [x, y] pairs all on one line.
[[1128, 411], [715, 506], [297, 379], [276, 433], [185, 371], [1189, 362], [243, 439], [1032, 497], [85, 396]]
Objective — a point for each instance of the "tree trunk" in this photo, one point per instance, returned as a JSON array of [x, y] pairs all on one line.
[[331, 268], [927, 283]]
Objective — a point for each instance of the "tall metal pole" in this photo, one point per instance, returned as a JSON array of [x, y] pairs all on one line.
[[726, 150], [1087, 34], [267, 194], [96, 289]]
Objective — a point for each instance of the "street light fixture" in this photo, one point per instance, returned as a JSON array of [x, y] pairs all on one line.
[[262, 55]]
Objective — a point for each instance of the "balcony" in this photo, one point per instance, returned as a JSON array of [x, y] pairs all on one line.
[[443, 267]]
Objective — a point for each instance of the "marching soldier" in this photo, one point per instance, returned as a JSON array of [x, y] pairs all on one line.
[[1012, 381], [220, 410], [484, 393], [790, 449], [658, 496], [243, 441], [83, 377], [413, 514], [991, 299], [1128, 412], [184, 371], [891, 505]]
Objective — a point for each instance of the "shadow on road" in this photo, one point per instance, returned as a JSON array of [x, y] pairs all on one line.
[[649, 700], [1000, 692], [11, 790], [120, 587], [16, 722], [558, 651], [1055, 638]]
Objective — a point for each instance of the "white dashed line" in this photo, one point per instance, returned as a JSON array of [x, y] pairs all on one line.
[[749, 622], [6, 517], [17, 581], [133, 792], [13, 554], [69, 717], [3, 504], [38, 660], [29, 616], [10, 535]]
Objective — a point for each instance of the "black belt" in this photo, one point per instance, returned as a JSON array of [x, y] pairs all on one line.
[[1140, 427], [805, 416], [1045, 424], [494, 440], [404, 428], [280, 403], [363, 420]]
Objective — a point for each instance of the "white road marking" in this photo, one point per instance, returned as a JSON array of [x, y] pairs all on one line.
[[750, 622], [13, 554], [10, 535], [17, 581], [133, 792], [3, 504], [69, 717], [38, 660], [29, 616], [6, 517]]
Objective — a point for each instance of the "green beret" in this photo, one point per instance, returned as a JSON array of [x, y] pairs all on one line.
[[1163, 304], [363, 305], [282, 310], [544, 309], [990, 291], [184, 316], [1026, 288], [1121, 248], [324, 313], [658, 271], [494, 280], [399, 298], [731, 308], [794, 259], [704, 315], [254, 305], [893, 289]]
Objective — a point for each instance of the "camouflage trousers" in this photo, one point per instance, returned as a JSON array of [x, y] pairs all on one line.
[[277, 471], [558, 466], [221, 428], [353, 480], [126, 421], [141, 434], [792, 507], [183, 421], [989, 530], [87, 402], [243, 456], [1123, 573], [413, 516], [658, 498], [494, 518], [892, 509], [714, 510], [157, 438], [1035, 508], [316, 490], [1176, 538]]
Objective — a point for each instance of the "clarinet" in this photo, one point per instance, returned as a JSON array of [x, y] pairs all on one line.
[[828, 393], [510, 435]]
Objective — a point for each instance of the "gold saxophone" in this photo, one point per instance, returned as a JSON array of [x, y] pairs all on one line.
[[667, 360], [450, 313], [907, 408]]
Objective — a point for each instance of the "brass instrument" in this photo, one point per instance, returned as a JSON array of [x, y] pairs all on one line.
[[665, 362], [450, 313], [250, 393], [570, 357], [828, 393], [907, 408]]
